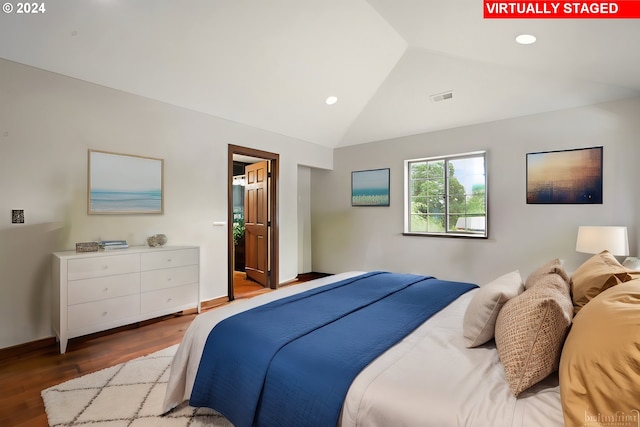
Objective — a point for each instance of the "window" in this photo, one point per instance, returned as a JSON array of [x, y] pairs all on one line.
[[446, 196]]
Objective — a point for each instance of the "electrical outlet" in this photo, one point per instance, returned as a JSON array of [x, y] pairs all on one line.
[[17, 216]]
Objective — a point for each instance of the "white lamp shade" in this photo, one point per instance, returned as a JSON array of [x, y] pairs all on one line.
[[595, 239]]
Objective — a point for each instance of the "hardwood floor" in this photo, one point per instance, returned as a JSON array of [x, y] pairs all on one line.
[[243, 287], [28, 369]]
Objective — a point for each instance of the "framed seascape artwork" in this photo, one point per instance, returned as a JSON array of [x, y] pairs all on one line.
[[565, 177], [124, 184], [370, 187]]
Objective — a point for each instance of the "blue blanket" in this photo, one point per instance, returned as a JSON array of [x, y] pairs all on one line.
[[291, 362]]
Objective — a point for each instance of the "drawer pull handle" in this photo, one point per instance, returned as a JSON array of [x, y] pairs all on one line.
[[106, 267], [104, 313], [106, 290], [169, 279], [169, 299], [169, 260]]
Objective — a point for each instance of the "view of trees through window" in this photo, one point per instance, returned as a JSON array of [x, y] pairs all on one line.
[[447, 195]]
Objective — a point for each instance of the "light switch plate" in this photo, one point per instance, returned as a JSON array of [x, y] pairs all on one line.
[[17, 216]]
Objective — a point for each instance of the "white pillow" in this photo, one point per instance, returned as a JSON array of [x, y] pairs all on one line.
[[482, 312]]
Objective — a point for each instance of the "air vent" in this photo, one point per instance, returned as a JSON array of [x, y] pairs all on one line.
[[444, 96]]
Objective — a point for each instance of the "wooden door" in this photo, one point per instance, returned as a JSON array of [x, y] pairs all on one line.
[[256, 217]]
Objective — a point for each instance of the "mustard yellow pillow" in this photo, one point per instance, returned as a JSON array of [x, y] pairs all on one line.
[[600, 364], [530, 332], [598, 273]]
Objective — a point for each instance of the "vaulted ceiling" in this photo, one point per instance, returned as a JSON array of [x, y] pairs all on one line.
[[272, 63]]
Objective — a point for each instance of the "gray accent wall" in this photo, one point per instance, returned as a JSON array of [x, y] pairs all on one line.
[[521, 236]]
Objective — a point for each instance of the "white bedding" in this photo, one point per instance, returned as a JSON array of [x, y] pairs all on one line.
[[428, 379]]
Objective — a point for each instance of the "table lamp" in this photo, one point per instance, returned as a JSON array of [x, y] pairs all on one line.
[[595, 239]]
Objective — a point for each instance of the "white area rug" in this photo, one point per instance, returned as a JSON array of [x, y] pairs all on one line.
[[125, 395]]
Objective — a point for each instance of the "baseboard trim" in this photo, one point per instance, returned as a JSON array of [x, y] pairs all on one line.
[[304, 277], [20, 349], [288, 282], [212, 303]]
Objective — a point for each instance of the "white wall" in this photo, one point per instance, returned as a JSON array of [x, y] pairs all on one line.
[[304, 220], [521, 236], [47, 124]]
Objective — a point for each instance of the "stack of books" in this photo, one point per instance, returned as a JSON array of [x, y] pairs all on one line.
[[108, 245]]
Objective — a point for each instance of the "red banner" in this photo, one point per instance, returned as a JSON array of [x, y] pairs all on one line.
[[622, 9]]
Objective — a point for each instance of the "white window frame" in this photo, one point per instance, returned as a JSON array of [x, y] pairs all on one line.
[[447, 232]]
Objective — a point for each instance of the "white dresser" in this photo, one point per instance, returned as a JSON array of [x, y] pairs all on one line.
[[96, 291]]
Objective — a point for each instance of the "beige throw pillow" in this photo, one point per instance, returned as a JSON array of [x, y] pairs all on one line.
[[552, 267], [530, 331], [481, 314], [598, 273], [554, 281]]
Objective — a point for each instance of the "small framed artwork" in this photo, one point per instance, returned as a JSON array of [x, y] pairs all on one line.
[[565, 177], [124, 184], [370, 187]]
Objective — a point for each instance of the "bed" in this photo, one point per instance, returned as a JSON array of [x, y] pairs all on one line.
[[433, 376]]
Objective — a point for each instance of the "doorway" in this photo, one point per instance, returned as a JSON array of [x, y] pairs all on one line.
[[252, 235]]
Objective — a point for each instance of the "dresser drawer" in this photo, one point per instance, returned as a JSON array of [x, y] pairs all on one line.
[[169, 259], [169, 278], [165, 299], [85, 268], [88, 315], [92, 292], [99, 288]]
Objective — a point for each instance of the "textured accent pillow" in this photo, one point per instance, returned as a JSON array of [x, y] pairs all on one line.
[[555, 281], [600, 364], [552, 267], [530, 331], [481, 314], [598, 273]]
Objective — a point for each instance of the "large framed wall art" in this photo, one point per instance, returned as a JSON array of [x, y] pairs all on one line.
[[124, 184], [565, 177], [370, 187]]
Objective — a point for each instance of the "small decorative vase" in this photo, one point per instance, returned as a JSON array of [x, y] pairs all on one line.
[[156, 240], [162, 239]]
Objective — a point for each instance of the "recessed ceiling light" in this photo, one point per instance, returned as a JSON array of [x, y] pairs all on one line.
[[331, 100], [526, 39]]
